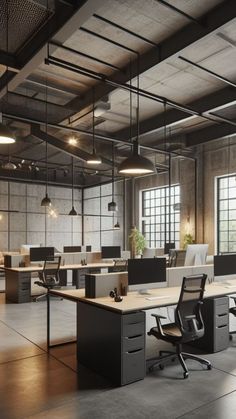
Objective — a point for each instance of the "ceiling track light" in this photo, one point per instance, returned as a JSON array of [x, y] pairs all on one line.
[[135, 164], [94, 158]]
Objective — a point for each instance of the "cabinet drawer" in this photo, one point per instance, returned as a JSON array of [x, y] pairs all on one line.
[[133, 343], [133, 329], [221, 338], [133, 366], [222, 309], [222, 320], [221, 301], [134, 318]]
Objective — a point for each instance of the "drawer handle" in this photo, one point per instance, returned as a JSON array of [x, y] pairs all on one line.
[[133, 337], [133, 352], [223, 325], [223, 314]]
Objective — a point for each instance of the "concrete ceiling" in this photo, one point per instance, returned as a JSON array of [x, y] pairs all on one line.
[[103, 49]]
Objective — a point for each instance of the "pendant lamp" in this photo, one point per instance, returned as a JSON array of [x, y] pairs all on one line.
[[94, 158], [72, 211], [117, 226], [46, 201], [135, 164], [112, 206]]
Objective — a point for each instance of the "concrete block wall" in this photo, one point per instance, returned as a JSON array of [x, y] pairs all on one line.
[[98, 221], [32, 223], [218, 159]]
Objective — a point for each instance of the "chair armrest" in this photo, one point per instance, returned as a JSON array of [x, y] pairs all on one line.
[[192, 322], [158, 318]]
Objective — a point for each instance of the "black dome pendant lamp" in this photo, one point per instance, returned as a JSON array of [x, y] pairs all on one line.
[[72, 211]]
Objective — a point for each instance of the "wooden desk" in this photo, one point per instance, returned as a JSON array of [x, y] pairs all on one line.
[[18, 280], [111, 336]]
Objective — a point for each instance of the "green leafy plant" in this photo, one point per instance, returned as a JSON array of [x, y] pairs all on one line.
[[188, 239], [137, 242]]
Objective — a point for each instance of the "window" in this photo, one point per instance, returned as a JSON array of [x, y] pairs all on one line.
[[156, 210], [226, 214]]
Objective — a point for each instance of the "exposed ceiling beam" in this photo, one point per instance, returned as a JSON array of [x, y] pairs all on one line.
[[215, 101], [8, 60], [60, 27], [62, 145], [170, 47], [207, 134]]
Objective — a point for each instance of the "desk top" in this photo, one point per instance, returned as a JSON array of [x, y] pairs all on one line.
[[134, 301], [63, 267]]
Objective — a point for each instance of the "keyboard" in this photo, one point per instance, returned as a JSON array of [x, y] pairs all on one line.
[[159, 297]]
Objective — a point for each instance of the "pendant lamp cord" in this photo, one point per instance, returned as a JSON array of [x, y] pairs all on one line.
[[93, 122], [130, 102], [138, 103], [46, 129], [112, 171], [72, 182]]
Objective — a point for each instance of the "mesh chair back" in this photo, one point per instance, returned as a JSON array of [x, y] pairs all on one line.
[[188, 311], [50, 273], [176, 257]]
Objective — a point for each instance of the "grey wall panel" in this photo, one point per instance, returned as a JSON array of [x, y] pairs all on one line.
[[35, 222], [3, 202], [16, 239], [3, 222], [4, 241], [91, 192], [17, 222], [35, 238]]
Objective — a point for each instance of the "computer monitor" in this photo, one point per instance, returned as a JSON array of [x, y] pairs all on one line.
[[25, 248], [38, 254], [110, 252], [225, 265], [71, 249], [196, 254], [88, 248], [146, 273], [167, 247]]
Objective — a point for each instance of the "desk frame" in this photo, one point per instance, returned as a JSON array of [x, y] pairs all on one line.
[[98, 316]]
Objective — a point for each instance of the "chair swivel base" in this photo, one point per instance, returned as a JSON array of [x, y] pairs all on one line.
[[43, 297], [181, 357]]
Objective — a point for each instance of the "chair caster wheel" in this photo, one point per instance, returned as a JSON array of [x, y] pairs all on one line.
[[209, 367], [161, 367], [185, 374]]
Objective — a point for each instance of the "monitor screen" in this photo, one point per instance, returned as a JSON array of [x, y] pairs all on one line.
[[38, 254], [168, 246], [88, 248], [146, 273], [196, 254], [71, 249], [225, 265], [110, 252]]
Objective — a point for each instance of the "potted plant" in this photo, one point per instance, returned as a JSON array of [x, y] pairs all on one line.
[[188, 239], [137, 242]]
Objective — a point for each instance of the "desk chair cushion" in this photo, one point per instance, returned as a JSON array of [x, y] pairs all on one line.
[[171, 332]]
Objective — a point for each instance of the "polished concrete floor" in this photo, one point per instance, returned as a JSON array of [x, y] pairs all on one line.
[[34, 384]]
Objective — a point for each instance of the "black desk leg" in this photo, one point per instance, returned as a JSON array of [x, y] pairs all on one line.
[[76, 278], [48, 320]]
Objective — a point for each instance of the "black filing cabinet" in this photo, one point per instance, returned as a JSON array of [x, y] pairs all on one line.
[[111, 343], [215, 312], [18, 286]]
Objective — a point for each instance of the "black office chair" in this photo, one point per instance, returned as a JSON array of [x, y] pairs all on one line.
[[119, 266], [49, 276], [167, 247], [188, 325], [176, 257], [232, 310]]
